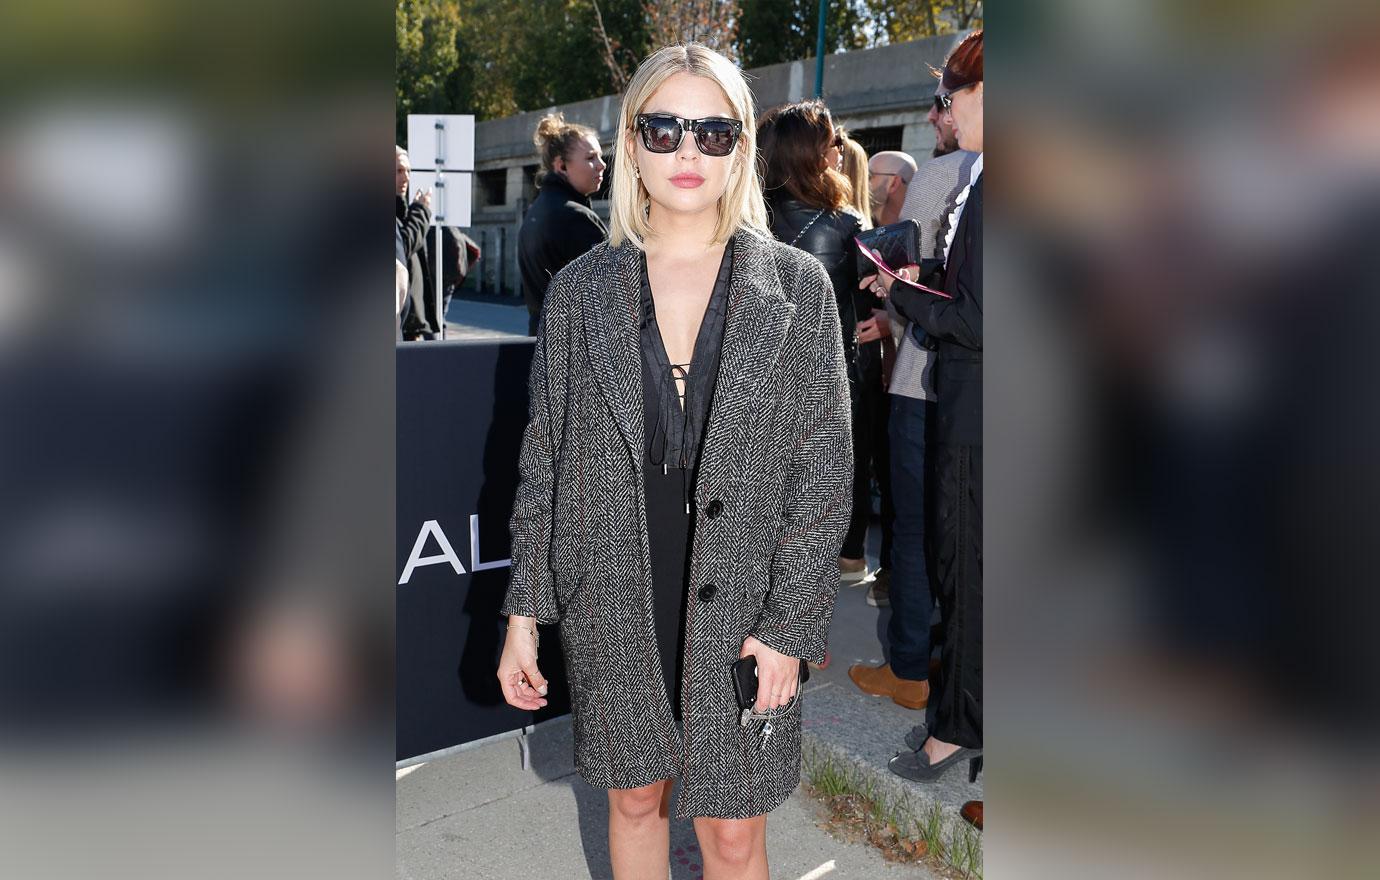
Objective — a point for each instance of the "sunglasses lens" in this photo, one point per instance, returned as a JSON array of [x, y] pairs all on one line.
[[715, 138], [661, 134]]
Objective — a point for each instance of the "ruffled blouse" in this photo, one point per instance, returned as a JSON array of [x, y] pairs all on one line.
[[674, 423]]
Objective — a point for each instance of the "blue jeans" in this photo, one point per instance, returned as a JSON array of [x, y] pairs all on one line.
[[912, 606]]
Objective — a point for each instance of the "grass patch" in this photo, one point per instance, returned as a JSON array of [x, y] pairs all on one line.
[[859, 810]]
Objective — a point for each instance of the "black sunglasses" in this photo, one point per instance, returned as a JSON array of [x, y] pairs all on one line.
[[946, 101], [714, 135]]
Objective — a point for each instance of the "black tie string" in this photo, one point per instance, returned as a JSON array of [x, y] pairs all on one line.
[[681, 372]]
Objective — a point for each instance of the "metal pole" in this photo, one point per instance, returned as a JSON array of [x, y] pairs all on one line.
[[440, 316], [440, 193], [819, 51]]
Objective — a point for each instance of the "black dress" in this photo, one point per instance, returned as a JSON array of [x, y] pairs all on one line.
[[674, 435]]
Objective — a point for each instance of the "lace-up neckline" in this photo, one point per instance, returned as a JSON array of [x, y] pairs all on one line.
[[677, 396]]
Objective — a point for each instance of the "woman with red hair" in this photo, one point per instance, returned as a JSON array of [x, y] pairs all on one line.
[[953, 326]]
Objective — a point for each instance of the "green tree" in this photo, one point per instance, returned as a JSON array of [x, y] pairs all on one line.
[[711, 22], [773, 31], [572, 50], [495, 58], [897, 21], [426, 56]]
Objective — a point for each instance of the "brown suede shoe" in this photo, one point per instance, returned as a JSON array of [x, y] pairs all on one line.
[[972, 813], [880, 681]]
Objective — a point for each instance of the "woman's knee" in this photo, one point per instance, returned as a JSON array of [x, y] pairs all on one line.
[[735, 841], [637, 804]]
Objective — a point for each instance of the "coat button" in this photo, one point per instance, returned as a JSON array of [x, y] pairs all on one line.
[[715, 508], [707, 592]]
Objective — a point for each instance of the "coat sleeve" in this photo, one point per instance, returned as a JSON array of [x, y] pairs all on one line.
[[818, 498], [957, 320], [414, 226], [531, 586]]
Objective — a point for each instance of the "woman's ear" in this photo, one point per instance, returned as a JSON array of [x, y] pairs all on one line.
[[558, 165]]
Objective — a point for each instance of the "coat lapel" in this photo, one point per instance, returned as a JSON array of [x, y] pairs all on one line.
[[758, 318], [611, 308]]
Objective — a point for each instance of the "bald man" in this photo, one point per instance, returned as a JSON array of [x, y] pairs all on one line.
[[888, 174]]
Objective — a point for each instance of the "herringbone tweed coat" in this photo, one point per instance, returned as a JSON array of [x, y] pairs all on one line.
[[772, 501]]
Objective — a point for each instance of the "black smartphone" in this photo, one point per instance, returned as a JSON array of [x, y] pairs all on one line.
[[745, 680], [897, 245]]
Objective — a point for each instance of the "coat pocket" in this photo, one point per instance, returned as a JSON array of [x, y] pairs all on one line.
[[570, 589]]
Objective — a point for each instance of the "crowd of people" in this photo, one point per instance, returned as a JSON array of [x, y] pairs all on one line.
[[719, 220]]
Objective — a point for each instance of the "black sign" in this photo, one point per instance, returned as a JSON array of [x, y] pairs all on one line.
[[461, 410]]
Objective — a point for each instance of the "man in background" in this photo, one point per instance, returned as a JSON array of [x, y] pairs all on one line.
[[888, 175], [412, 222], [459, 254]]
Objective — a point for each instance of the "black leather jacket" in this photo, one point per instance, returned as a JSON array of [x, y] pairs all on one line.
[[830, 240], [559, 226]]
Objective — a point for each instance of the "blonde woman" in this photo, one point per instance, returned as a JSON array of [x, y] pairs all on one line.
[[855, 169], [685, 481]]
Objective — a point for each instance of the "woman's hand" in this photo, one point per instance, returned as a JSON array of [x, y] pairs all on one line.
[[880, 283], [778, 676], [523, 684]]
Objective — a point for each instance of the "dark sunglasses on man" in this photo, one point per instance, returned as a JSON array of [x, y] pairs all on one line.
[[714, 135]]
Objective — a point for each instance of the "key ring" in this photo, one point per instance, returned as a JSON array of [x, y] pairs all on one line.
[[747, 716]]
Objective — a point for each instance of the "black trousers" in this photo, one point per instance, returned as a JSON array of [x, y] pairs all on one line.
[[871, 456], [955, 533]]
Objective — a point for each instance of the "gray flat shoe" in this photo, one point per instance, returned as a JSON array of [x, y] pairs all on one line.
[[916, 765]]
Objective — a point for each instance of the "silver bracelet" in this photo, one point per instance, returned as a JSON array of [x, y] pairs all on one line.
[[535, 636]]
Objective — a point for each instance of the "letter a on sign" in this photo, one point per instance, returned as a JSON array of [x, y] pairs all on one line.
[[416, 560]]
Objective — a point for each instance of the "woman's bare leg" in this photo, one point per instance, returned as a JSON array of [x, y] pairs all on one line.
[[733, 849], [640, 831]]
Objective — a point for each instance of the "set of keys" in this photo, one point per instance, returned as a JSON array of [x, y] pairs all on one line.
[[746, 718]]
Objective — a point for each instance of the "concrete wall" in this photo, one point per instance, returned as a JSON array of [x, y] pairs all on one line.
[[889, 86]]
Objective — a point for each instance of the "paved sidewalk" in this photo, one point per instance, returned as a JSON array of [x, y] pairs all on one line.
[[475, 319], [863, 730], [478, 815]]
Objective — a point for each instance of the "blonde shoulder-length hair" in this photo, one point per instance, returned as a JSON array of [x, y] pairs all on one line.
[[742, 204]]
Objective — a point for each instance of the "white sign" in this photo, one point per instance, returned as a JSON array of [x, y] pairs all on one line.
[[450, 195], [441, 142]]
